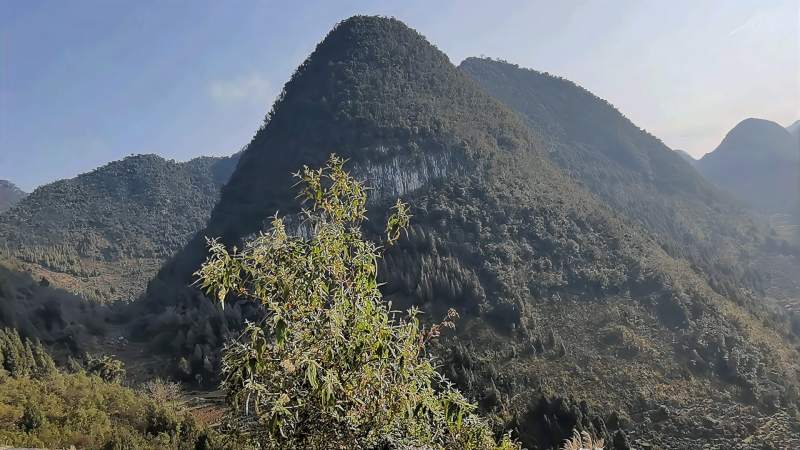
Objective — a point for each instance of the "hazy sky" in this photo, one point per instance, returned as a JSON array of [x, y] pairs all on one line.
[[86, 82]]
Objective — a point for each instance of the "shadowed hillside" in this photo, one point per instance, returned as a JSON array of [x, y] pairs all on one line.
[[65, 323], [573, 315], [103, 234]]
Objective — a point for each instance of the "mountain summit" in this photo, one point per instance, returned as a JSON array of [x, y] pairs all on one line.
[[758, 161], [562, 300]]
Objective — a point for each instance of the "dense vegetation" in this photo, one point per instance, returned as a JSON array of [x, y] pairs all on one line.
[[330, 366], [63, 321], [632, 171], [758, 162], [105, 233], [42, 406], [537, 267], [10, 195]]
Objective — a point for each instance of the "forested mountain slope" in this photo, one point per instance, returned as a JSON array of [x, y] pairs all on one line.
[[10, 195], [103, 234], [632, 171], [563, 300], [758, 161]]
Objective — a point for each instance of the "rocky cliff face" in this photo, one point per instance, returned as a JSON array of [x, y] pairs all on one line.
[[398, 175]]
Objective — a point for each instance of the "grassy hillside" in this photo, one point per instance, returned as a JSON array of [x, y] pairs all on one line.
[[103, 234], [574, 315]]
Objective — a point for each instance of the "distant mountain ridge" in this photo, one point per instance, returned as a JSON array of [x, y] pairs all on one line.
[[10, 195], [104, 233], [629, 169], [794, 129], [758, 161], [563, 299]]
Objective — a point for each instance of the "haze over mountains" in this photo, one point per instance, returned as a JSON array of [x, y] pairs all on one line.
[[603, 283], [794, 129], [759, 163], [10, 195], [686, 156]]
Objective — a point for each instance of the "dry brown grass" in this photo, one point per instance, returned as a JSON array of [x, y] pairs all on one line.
[[583, 441]]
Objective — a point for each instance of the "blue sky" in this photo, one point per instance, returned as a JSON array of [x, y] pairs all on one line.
[[83, 83]]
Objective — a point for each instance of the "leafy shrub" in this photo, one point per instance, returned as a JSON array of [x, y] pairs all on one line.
[[109, 369], [330, 365], [32, 418], [162, 391]]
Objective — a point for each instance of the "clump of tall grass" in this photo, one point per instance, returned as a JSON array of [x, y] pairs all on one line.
[[583, 441]]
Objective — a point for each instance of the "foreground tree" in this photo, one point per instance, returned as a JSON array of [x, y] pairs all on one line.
[[331, 365]]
